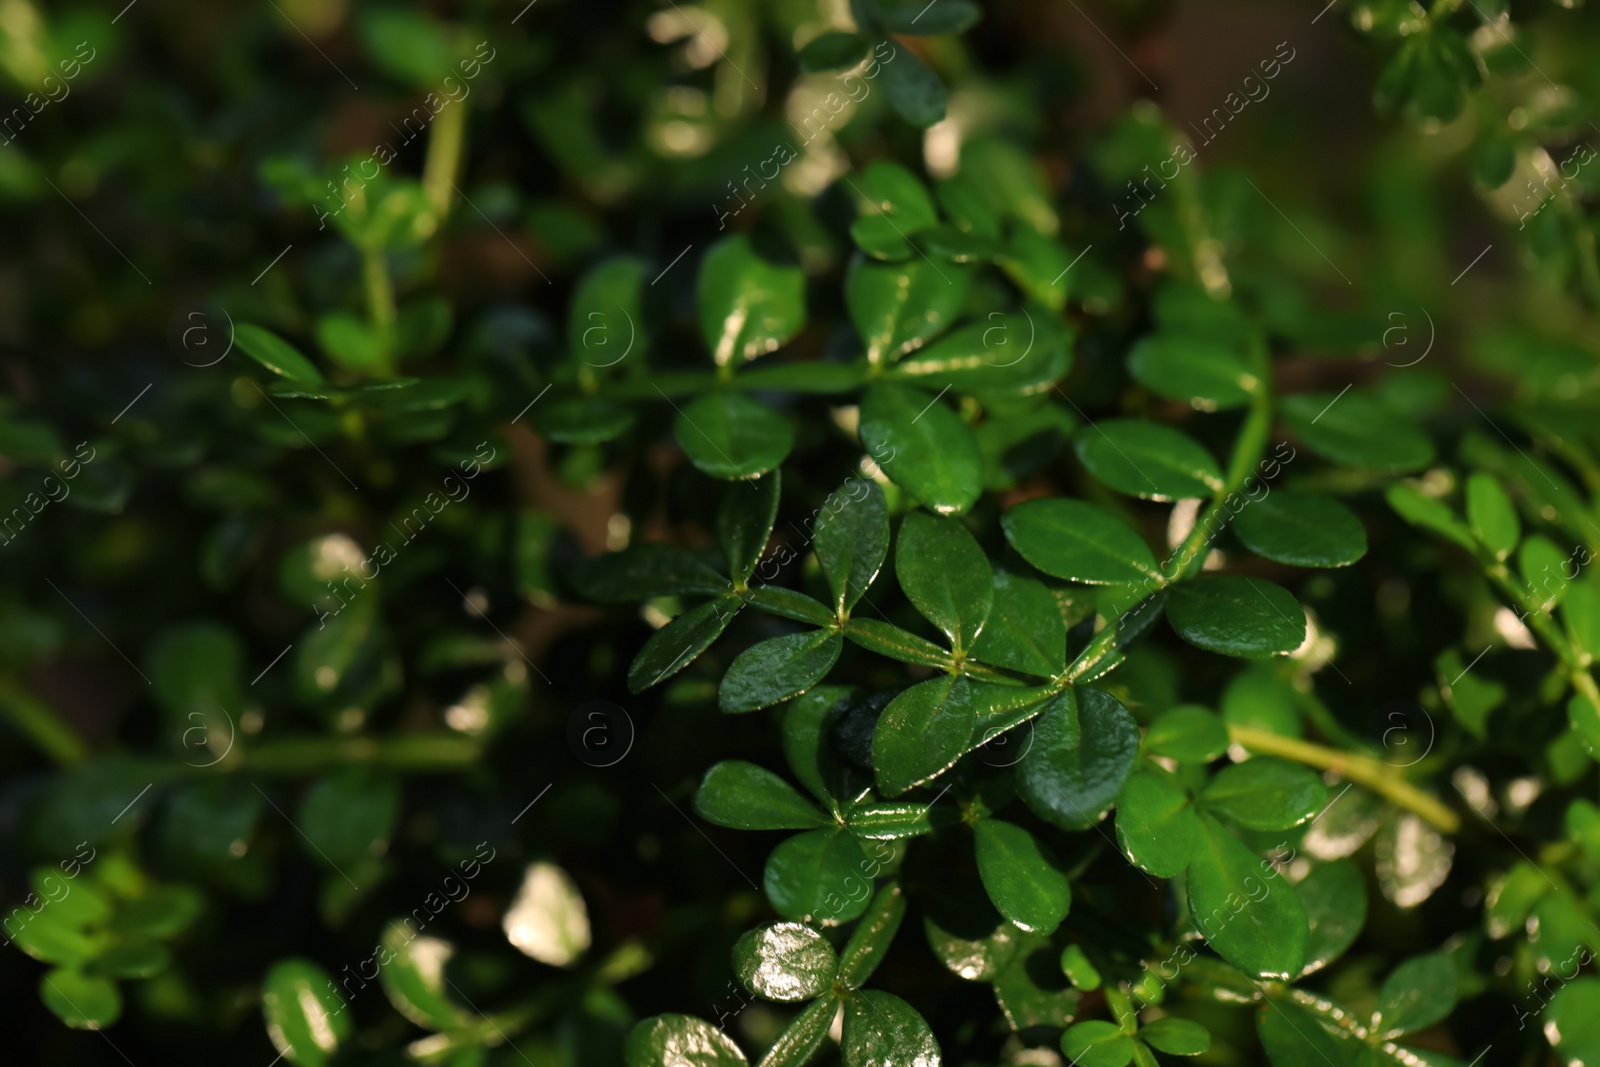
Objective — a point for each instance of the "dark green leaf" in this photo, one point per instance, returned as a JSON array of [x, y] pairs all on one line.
[[730, 436], [915, 91], [896, 307], [807, 723], [1011, 352], [784, 961], [788, 604], [1148, 460], [834, 51], [945, 575], [1204, 373], [1243, 907], [1096, 1043], [304, 1012], [888, 640], [922, 446], [747, 797], [1021, 876], [922, 733], [674, 1040], [946, 16], [1247, 617], [1301, 529], [276, 354], [748, 305], [581, 420], [772, 671], [744, 522], [889, 822], [1335, 898], [1178, 1037], [1078, 541], [852, 539], [1264, 793], [881, 1030], [872, 938], [1416, 995], [1415, 507], [1357, 430], [1025, 630], [798, 1043], [643, 571], [1084, 745], [820, 876], [1156, 824], [675, 645], [348, 816]]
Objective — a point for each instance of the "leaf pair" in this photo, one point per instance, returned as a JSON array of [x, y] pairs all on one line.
[[1097, 1043]]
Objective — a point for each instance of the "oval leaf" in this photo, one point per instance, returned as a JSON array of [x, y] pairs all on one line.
[[1301, 529], [1148, 460], [922, 446], [1021, 876], [730, 436], [1078, 541], [784, 961], [1083, 747], [1247, 617]]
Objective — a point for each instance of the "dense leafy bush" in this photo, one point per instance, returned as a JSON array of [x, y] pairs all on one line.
[[883, 532]]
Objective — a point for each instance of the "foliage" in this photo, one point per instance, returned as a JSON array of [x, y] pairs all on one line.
[[1127, 597]]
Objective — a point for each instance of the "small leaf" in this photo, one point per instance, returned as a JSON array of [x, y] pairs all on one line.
[[872, 938], [730, 436], [914, 90], [777, 669], [1544, 567], [748, 305], [1581, 614], [1419, 509], [604, 322], [1079, 970], [1084, 745], [852, 539], [1148, 459], [1301, 529], [413, 978], [881, 1030], [947, 16], [744, 522], [304, 1012], [644, 571], [547, 919], [1416, 995], [807, 723], [788, 604], [888, 640], [276, 354], [1264, 793], [1243, 907], [922, 446], [889, 822], [894, 205], [1078, 541], [799, 1042], [896, 307], [819, 876], [1335, 898], [1177, 1037], [1025, 630], [945, 575], [922, 733], [83, 1001], [1156, 824], [1021, 876], [1206, 374], [747, 797], [1096, 1043], [675, 645], [1293, 1036], [1492, 515], [1572, 1022], [680, 1041], [1357, 430], [348, 816], [784, 961], [833, 51], [1233, 616], [1188, 734]]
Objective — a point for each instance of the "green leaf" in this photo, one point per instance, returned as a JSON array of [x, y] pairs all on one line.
[[1357, 430], [350, 342], [675, 645], [1419, 509], [788, 604], [1581, 614], [784, 961], [276, 354], [304, 1012], [645, 571], [1008, 352], [852, 539], [582, 420], [1157, 828], [1188, 734], [748, 305], [1096, 1043], [1295, 1037], [1037, 264], [896, 307], [807, 725], [1148, 460], [881, 1030], [1243, 907], [1301, 529], [747, 797], [744, 522], [893, 206], [1335, 898], [1206, 374], [1021, 876], [834, 51], [605, 323], [1025, 630], [1416, 995], [413, 978], [888, 822], [730, 436], [922, 733], [82, 1001], [1084, 745], [798, 1043], [914, 90], [819, 876], [1492, 515], [547, 920], [772, 671], [680, 1041], [947, 16], [872, 937], [1034, 997], [138, 959], [1572, 1022], [1078, 541], [1264, 793], [1177, 1037], [1233, 616], [1079, 970], [348, 816], [408, 45], [1544, 567], [922, 446], [888, 640], [945, 575]]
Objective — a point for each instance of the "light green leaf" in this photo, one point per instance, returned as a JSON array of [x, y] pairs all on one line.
[[893, 206], [1187, 733], [1572, 1022], [1492, 515], [605, 323], [1301, 529], [1335, 898], [922, 446], [84, 1002], [748, 305], [1243, 908], [852, 539], [1079, 541], [1079, 970], [1021, 876], [1206, 374], [1547, 570], [1156, 824], [680, 1041], [547, 919], [945, 575], [1147, 459], [730, 436], [1264, 793], [413, 978], [304, 1012], [1419, 509], [1176, 1037], [1417, 994], [922, 733], [1096, 1043], [1084, 745], [819, 876], [1233, 616], [784, 961], [747, 797], [881, 1030]]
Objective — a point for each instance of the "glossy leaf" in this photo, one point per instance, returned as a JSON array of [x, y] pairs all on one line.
[[852, 539], [1156, 824], [945, 575], [881, 1030], [276, 354], [819, 876], [1084, 745], [730, 436], [547, 919], [1416, 995], [1096, 1043], [914, 90], [873, 936], [1021, 876], [744, 523], [305, 1016], [1264, 794], [1413, 859], [922, 446], [1301, 529], [1233, 616], [675, 645], [1188, 734], [772, 671], [922, 733], [748, 305], [413, 978], [1244, 909], [672, 1040], [1335, 898], [1572, 1022], [784, 961], [643, 571], [1148, 460], [807, 725], [747, 797], [799, 1042], [1078, 541], [896, 307], [1025, 630]]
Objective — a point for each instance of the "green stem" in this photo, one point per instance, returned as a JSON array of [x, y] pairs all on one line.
[[380, 301], [42, 724], [1363, 770], [433, 751], [446, 141]]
